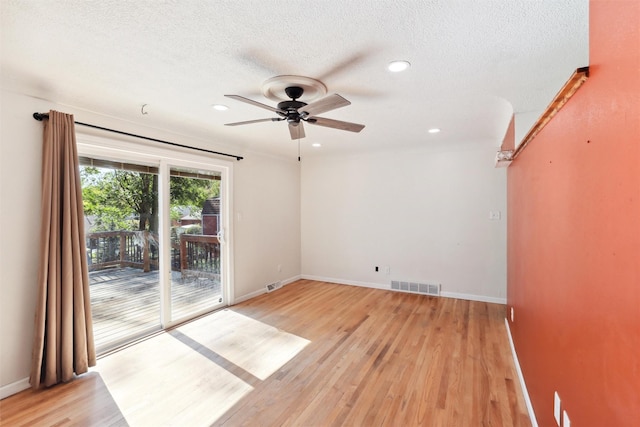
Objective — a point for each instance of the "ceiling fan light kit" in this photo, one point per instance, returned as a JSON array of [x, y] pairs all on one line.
[[294, 111]]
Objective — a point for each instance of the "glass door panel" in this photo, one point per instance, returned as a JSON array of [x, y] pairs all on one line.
[[194, 200], [121, 229]]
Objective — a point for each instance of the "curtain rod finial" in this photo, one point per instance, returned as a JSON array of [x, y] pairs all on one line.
[[40, 116]]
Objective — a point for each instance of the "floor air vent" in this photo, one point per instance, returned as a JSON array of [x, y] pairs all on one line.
[[417, 288], [273, 286]]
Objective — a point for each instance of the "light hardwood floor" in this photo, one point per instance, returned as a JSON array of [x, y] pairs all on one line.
[[310, 354]]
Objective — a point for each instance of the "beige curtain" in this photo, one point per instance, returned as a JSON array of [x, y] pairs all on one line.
[[63, 342]]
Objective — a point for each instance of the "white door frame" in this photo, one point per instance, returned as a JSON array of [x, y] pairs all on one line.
[[162, 158]]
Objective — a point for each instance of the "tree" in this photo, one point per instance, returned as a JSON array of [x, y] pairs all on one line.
[[118, 199], [191, 193]]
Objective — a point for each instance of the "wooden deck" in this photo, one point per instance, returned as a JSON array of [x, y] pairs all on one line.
[[125, 302]]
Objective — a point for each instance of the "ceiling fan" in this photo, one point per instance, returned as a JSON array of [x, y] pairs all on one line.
[[296, 112]]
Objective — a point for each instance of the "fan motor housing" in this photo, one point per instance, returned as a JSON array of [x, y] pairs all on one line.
[[290, 105]]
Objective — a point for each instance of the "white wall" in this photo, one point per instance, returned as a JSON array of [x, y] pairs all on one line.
[[266, 223], [423, 213], [523, 123], [266, 194], [20, 157]]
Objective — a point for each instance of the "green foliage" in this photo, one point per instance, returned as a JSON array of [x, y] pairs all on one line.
[[128, 200], [176, 212], [103, 201], [194, 230], [190, 191]]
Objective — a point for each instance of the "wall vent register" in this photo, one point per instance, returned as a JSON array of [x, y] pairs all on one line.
[[417, 288], [273, 286]]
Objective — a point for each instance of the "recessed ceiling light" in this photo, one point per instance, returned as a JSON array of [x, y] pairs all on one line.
[[434, 130], [220, 107], [397, 66], [315, 144]]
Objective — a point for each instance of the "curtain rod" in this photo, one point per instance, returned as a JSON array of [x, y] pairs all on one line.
[[42, 116]]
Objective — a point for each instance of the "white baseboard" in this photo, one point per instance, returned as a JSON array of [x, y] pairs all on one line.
[[291, 280], [13, 388], [263, 290], [347, 282], [471, 297], [249, 296], [383, 286], [527, 400], [386, 287]]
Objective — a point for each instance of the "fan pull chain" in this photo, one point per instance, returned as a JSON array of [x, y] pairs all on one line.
[[298, 149]]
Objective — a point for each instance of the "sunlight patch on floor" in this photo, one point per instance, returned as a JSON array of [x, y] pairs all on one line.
[[161, 382], [256, 347], [192, 375]]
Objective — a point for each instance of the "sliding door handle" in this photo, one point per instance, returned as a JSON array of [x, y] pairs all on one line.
[[221, 236]]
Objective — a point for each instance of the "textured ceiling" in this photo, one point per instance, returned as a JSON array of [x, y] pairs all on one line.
[[473, 63]]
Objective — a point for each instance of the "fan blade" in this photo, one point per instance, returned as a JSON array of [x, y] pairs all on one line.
[[350, 62], [252, 102], [296, 130], [336, 124], [325, 104], [248, 122]]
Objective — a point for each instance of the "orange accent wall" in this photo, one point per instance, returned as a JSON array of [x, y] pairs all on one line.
[[574, 238]]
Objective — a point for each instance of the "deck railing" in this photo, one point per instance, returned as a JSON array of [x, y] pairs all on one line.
[[199, 253], [139, 249]]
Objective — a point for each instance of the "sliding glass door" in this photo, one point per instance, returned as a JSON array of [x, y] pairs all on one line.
[[196, 234], [154, 224]]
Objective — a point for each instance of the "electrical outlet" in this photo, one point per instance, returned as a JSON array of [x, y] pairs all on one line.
[[566, 422], [387, 270], [376, 268], [279, 268], [556, 407], [494, 215]]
